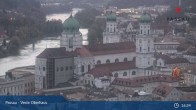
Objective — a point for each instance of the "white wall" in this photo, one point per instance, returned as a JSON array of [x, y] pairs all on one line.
[[83, 61], [77, 41], [65, 75], [112, 57], [39, 72]]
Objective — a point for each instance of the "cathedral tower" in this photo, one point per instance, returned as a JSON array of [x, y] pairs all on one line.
[[71, 37], [144, 43]]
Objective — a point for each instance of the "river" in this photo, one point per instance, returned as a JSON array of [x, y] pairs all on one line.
[[28, 53]]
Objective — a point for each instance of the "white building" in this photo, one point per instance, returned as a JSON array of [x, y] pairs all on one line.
[[53, 66], [111, 34], [144, 44], [19, 81]]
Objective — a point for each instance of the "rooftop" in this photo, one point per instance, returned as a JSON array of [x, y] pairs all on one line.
[[187, 89], [107, 69], [111, 48], [138, 81], [162, 90], [169, 60], [56, 53]]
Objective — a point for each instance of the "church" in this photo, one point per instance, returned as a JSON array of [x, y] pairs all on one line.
[[100, 64]]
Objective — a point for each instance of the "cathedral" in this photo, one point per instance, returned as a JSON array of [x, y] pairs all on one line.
[[98, 65]]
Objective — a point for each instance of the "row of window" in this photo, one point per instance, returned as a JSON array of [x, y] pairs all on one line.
[[108, 61], [64, 69], [141, 49], [83, 69], [166, 47], [124, 74], [29, 84]]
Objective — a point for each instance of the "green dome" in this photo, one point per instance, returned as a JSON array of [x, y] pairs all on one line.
[[145, 18], [111, 17], [71, 25]]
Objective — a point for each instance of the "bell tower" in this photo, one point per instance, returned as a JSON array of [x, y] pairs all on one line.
[[71, 37]]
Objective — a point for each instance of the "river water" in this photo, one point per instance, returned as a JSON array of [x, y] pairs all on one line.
[[28, 53]]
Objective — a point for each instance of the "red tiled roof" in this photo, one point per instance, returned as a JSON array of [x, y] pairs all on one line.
[[107, 69], [138, 81], [56, 53], [83, 52], [111, 48], [163, 90]]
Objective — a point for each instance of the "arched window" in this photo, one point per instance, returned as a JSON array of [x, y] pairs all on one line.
[[82, 68], [116, 75], [116, 60], [133, 73], [107, 61], [125, 59], [125, 74], [140, 49], [98, 62], [71, 43]]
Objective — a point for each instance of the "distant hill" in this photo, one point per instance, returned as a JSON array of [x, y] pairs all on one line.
[[135, 3], [18, 4]]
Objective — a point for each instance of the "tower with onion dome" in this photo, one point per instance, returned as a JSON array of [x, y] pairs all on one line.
[[71, 37], [111, 34], [144, 43]]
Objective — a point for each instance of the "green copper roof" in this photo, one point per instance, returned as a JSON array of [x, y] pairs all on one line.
[[71, 25], [145, 18], [111, 17]]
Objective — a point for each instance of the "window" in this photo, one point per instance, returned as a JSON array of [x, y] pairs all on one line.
[[125, 74], [117, 60], [141, 31], [44, 68], [57, 69], [148, 49], [133, 73], [98, 62], [89, 67], [62, 68], [125, 60], [82, 69], [140, 49], [116, 75], [107, 61], [71, 67], [71, 43]]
